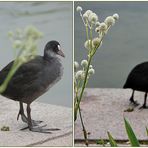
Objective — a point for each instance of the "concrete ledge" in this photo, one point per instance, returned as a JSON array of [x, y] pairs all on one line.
[[54, 116], [103, 110]]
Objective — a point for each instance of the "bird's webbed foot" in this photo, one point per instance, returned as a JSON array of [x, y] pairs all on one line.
[[143, 107], [133, 102], [25, 120], [40, 129]]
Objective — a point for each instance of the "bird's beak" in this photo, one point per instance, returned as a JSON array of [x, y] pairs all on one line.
[[60, 52]]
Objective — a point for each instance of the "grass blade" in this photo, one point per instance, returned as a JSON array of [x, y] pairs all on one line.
[[101, 142], [147, 131], [111, 140], [131, 135]]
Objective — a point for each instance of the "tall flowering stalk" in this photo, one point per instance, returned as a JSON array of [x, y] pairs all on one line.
[[92, 44], [25, 41]]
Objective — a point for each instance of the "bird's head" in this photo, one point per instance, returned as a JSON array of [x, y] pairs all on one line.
[[53, 49]]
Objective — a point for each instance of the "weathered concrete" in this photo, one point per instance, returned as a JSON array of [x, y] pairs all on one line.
[[52, 115], [103, 110], [61, 141]]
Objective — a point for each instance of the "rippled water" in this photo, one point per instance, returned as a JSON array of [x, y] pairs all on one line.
[[54, 19], [125, 46]]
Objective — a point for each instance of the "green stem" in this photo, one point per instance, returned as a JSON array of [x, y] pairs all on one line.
[[91, 38], [14, 68], [84, 84], [86, 27], [84, 130]]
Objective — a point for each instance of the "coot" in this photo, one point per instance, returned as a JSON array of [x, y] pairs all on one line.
[[32, 80], [138, 81]]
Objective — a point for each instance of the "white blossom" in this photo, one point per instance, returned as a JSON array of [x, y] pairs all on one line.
[[103, 27], [88, 12], [79, 74], [17, 44], [76, 65], [97, 24], [109, 21], [116, 16], [91, 71], [97, 29], [93, 18], [96, 41], [79, 9], [87, 44], [90, 66], [85, 16], [84, 63]]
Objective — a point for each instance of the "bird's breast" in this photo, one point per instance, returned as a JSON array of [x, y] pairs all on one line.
[[54, 74]]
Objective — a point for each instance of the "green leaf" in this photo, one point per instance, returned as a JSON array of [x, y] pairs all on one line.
[[100, 142], [147, 131], [111, 140], [131, 135]]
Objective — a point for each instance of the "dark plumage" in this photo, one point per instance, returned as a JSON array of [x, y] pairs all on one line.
[[138, 80], [33, 79]]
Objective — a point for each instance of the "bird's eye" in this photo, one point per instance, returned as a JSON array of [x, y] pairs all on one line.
[[59, 47]]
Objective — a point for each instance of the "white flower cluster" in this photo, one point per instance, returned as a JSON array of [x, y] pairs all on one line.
[[80, 74], [108, 22], [26, 41], [91, 20]]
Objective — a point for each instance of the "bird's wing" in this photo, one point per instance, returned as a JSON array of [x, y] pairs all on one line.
[[25, 75]]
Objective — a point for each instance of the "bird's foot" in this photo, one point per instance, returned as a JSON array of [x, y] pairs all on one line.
[[25, 119], [135, 103], [35, 123], [33, 126], [143, 107], [40, 129]]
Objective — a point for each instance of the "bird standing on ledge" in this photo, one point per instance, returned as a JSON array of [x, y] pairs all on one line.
[[138, 80], [32, 80]]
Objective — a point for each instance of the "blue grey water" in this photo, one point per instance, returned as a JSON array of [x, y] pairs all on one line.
[[54, 19], [125, 45]]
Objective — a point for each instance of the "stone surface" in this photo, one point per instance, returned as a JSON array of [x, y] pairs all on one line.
[[61, 141], [103, 110], [52, 115]]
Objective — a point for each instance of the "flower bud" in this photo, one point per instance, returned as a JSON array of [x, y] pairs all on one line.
[[88, 12], [109, 21], [91, 71], [79, 9], [79, 74], [90, 66], [84, 63], [116, 16], [103, 27], [10, 34], [17, 44], [76, 65], [97, 24], [93, 18], [96, 41], [97, 29], [87, 44], [85, 16]]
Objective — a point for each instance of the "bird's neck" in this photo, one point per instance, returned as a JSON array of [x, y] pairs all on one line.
[[49, 55]]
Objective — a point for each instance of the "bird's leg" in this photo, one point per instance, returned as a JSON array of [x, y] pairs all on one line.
[[21, 112], [144, 104], [23, 116], [132, 99], [36, 128]]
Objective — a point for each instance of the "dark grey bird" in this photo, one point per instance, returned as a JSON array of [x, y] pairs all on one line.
[[138, 81], [32, 80]]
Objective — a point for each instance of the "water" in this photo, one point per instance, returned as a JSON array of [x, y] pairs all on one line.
[[125, 46], [54, 19]]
